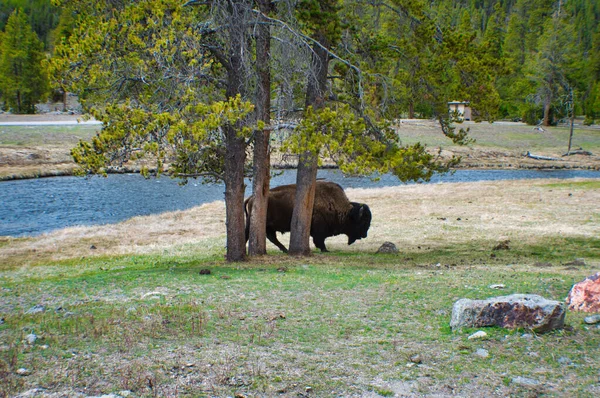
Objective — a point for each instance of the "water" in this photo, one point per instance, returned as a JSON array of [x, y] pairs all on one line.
[[32, 207]]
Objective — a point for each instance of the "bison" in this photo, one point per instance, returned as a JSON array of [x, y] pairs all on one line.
[[333, 214]]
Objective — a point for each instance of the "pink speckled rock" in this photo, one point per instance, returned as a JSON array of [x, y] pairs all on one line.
[[585, 295]]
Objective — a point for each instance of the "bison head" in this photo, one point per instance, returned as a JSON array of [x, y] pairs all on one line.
[[359, 221]]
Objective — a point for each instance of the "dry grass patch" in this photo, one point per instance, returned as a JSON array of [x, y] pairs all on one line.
[[474, 216]]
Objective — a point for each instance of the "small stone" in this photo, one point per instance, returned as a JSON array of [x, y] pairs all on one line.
[[482, 353], [31, 338], [497, 286], [225, 277], [36, 309], [23, 372], [591, 320], [93, 247], [478, 335], [387, 248], [504, 245], [525, 381], [564, 361], [416, 359]]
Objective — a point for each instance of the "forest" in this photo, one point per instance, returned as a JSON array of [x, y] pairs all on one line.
[[542, 51]]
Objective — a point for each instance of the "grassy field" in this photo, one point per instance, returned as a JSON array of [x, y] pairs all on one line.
[[37, 151], [130, 308]]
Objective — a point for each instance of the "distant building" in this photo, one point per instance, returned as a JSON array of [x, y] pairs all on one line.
[[461, 108]]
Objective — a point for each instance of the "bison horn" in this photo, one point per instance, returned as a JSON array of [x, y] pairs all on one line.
[[361, 211]]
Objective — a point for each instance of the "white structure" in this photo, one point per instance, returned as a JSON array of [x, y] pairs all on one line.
[[461, 108]]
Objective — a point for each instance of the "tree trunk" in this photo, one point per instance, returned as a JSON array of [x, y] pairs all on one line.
[[547, 105], [260, 183], [235, 158], [306, 180], [572, 121], [235, 153], [411, 110], [307, 165]]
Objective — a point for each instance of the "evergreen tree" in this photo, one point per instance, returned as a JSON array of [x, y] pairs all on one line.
[[23, 76]]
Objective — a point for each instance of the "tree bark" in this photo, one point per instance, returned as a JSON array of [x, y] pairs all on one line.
[[306, 176], [235, 154], [572, 100], [547, 105], [261, 168]]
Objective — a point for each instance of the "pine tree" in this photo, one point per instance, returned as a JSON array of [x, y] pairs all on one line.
[[23, 77]]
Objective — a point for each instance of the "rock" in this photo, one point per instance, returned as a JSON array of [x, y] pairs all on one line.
[[515, 311], [591, 320], [387, 248], [478, 335], [31, 338], [564, 361], [585, 295], [504, 245], [497, 286], [205, 271], [482, 353], [36, 309], [23, 372], [416, 359], [524, 381]]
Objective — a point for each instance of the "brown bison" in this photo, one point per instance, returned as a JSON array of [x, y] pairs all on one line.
[[333, 214]]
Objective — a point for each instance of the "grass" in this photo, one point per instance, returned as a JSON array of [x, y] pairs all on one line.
[[257, 328], [66, 135], [136, 313]]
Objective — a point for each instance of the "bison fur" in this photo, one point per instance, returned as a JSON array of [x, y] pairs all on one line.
[[333, 214]]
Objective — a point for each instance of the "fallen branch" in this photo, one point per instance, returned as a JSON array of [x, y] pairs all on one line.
[[578, 152], [538, 157]]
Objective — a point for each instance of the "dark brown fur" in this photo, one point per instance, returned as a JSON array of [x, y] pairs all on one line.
[[333, 214]]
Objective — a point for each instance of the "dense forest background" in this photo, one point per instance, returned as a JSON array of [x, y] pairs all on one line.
[[543, 55]]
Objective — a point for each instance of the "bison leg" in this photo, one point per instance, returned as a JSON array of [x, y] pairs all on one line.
[[320, 243], [272, 236]]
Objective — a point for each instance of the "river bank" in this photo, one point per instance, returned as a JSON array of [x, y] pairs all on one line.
[[34, 146]]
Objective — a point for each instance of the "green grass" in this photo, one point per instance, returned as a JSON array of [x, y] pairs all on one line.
[[508, 137], [331, 325], [46, 135]]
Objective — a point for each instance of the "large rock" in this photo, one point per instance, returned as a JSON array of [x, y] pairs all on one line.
[[585, 295], [515, 311]]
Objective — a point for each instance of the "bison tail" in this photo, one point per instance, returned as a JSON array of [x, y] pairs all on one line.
[[247, 217]]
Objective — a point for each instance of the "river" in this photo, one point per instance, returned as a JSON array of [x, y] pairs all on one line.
[[32, 207]]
